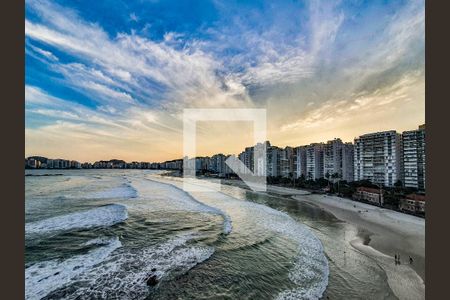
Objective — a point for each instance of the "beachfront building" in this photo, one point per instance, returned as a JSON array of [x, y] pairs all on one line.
[[33, 163], [413, 203], [332, 158], [247, 157], [347, 162], [75, 164], [86, 165], [287, 162], [300, 161], [216, 163], [413, 151], [338, 160], [273, 161], [371, 195], [377, 158], [314, 161], [176, 164]]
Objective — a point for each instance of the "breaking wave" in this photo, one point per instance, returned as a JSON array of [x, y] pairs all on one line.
[[107, 215], [124, 191], [310, 270], [47, 276], [165, 196], [124, 274]]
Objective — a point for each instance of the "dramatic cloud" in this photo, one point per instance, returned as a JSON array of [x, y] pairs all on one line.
[[117, 87]]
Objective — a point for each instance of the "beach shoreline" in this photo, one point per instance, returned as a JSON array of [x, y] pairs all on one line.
[[382, 233]]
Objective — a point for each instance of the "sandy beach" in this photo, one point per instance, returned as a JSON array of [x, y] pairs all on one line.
[[387, 233], [381, 234]]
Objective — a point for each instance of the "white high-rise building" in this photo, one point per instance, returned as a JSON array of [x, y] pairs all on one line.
[[413, 152], [287, 162], [273, 161], [332, 158], [247, 157], [347, 162], [338, 160], [314, 161], [377, 157], [300, 161]]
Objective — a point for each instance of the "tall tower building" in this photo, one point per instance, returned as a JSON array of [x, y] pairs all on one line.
[[413, 152], [332, 158], [314, 161], [377, 157], [347, 162], [300, 161]]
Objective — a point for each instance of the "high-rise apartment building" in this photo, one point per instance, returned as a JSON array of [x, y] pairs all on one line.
[[338, 160], [347, 162], [377, 157], [332, 158], [413, 152], [273, 161], [287, 162], [314, 161], [300, 161]]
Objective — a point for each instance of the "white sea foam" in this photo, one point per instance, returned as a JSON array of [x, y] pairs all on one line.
[[124, 191], [47, 276], [165, 196], [124, 274], [310, 270], [107, 215]]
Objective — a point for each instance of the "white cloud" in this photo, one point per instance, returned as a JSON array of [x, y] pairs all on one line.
[[133, 17], [140, 86]]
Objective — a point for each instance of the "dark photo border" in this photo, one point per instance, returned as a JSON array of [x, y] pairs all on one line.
[[437, 155], [13, 150]]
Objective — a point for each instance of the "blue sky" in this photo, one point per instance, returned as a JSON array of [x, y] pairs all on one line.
[[111, 78]]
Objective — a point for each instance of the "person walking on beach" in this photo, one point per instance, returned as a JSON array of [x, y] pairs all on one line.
[[396, 258], [410, 260]]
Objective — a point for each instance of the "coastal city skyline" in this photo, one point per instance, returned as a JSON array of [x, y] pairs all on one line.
[[245, 145], [118, 83], [225, 149], [385, 158]]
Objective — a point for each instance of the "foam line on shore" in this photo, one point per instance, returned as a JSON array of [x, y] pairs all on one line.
[[184, 201], [402, 279], [44, 277], [107, 215], [310, 265], [124, 274]]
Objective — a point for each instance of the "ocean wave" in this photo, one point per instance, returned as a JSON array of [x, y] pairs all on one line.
[[310, 270], [166, 196], [124, 191], [107, 215], [47, 276], [124, 274]]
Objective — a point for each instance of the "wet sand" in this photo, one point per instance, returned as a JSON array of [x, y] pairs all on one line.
[[381, 234], [387, 233]]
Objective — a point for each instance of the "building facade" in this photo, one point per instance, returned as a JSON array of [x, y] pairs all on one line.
[[273, 161], [377, 157], [287, 162], [347, 162], [413, 152], [373, 196], [300, 161], [314, 161], [413, 203], [332, 158]]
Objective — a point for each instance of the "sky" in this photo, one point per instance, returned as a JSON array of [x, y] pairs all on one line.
[[110, 79]]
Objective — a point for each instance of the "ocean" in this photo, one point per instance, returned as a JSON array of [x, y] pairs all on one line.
[[101, 234]]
